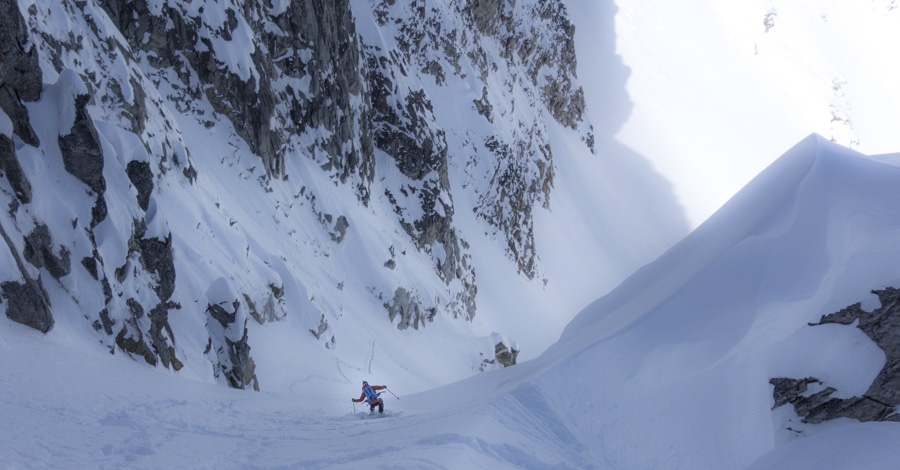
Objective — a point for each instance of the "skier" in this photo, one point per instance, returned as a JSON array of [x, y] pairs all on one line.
[[371, 397]]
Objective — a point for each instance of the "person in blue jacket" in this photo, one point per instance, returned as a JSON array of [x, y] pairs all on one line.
[[371, 396]]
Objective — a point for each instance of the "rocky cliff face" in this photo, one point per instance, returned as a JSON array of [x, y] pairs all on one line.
[[101, 104], [20, 82]]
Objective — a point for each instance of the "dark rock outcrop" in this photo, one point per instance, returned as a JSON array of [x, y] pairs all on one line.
[[505, 355], [409, 308], [320, 328], [19, 68], [156, 343], [142, 178], [156, 256], [406, 128], [223, 316], [80, 146], [243, 370], [229, 344], [39, 252], [293, 80], [311, 40], [266, 311], [881, 399], [12, 170], [20, 73], [131, 337], [28, 304], [536, 59], [339, 231]]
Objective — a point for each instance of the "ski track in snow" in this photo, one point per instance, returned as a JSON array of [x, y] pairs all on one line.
[[337, 365]]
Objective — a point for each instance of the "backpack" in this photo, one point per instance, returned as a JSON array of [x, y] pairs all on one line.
[[371, 396]]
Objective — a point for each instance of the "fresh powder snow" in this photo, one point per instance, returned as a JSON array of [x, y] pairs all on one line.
[[670, 370]]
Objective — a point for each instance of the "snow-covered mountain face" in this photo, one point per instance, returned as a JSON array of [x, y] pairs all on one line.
[[226, 187], [737, 348], [298, 196]]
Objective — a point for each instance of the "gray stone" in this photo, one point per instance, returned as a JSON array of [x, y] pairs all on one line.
[[878, 403], [406, 129], [340, 229], [320, 328], [19, 67], [27, 301], [18, 113], [486, 14], [156, 256], [39, 252], [234, 363], [410, 310], [158, 344], [484, 107], [20, 73], [243, 369], [161, 334], [505, 356], [539, 55], [81, 150], [142, 178], [267, 312], [12, 170], [313, 84], [28, 304], [130, 338], [224, 317], [312, 40]]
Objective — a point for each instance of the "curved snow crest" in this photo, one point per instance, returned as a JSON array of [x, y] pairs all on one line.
[[745, 215], [678, 357], [681, 382]]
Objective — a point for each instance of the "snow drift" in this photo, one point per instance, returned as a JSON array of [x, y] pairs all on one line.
[[670, 370]]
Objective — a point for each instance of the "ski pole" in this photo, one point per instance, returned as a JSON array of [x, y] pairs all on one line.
[[392, 393], [354, 406]]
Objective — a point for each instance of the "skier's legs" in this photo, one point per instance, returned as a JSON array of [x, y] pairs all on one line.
[[380, 406]]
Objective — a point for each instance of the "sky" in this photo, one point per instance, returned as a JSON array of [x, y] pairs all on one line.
[[704, 73]]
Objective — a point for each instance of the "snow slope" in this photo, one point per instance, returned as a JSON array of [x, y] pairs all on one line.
[[693, 338], [670, 370], [320, 267]]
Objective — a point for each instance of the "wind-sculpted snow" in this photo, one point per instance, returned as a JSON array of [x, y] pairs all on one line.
[[690, 342], [670, 370]]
